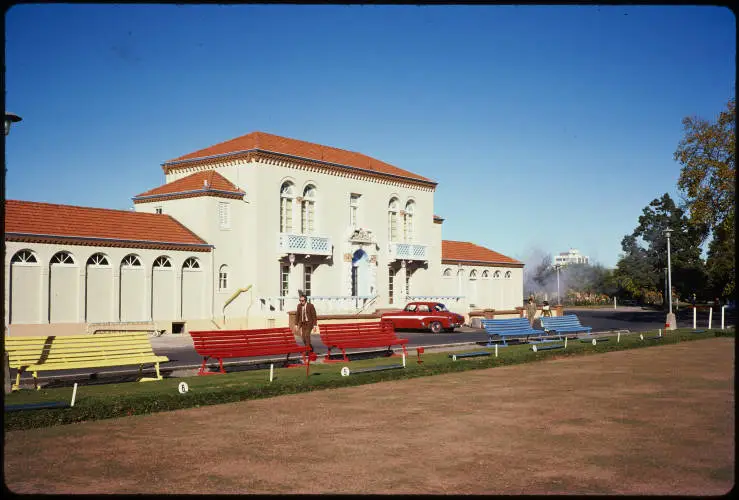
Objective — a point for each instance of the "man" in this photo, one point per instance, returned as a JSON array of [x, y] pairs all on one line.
[[531, 310], [306, 320]]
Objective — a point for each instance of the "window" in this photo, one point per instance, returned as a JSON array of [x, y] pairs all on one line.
[[308, 210], [223, 278], [354, 210], [161, 262], [410, 307], [507, 275], [447, 273], [284, 280], [98, 259], [158, 210], [286, 207], [408, 281], [191, 263], [131, 261], [390, 283], [473, 275], [392, 220], [62, 258], [307, 275], [424, 308], [485, 275], [408, 222], [496, 275], [24, 257], [224, 215]]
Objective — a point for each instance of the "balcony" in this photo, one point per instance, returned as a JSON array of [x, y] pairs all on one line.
[[408, 251], [304, 244]]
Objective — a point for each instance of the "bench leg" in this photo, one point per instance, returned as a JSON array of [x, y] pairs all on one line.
[[35, 381], [150, 379], [17, 384]]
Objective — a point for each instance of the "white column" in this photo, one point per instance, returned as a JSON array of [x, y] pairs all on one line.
[[81, 302], [400, 276], [44, 309]]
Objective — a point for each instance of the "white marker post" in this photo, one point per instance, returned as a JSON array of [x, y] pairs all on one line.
[[618, 337], [565, 342], [614, 302], [722, 316], [710, 317], [403, 360], [695, 315], [271, 371], [496, 350], [74, 394], [659, 332]]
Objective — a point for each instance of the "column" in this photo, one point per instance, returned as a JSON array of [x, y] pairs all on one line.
[[44, 310], [81, 302]]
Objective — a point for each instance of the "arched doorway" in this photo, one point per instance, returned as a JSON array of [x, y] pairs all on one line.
[[360, 274]]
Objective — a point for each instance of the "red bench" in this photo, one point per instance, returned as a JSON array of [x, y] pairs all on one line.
[[355, 335], [220, 344]]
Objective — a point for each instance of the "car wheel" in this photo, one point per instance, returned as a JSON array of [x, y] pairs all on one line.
[[435, 327]]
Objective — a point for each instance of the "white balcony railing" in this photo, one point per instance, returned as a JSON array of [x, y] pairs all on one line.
[[323, 304], [304, 244], [408, 251]]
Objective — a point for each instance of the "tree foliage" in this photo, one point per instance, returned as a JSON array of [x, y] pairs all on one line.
[[708, 179]]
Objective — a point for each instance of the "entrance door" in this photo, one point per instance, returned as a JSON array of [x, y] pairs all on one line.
[[360, 273]]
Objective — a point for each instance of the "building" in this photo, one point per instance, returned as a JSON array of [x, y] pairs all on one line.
[[237, 230], [573, 256]]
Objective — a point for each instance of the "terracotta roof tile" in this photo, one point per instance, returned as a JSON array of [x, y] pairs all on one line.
[[195, 182], [275, 143], [30, 217], [466, 251]]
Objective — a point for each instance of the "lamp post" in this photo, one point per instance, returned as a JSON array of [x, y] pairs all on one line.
[[10, 118], [670, 321]]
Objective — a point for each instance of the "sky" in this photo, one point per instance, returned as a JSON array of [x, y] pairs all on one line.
[[546, 127]]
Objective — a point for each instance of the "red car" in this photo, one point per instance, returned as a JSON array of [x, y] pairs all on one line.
[[432, 316]]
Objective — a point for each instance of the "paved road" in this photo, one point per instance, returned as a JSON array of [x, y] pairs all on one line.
[[184, 359]]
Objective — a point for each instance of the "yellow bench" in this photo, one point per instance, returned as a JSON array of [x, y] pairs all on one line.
[[69, 352]]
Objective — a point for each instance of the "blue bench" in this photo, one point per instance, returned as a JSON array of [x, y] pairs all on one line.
[[513, 327], [569, 323]]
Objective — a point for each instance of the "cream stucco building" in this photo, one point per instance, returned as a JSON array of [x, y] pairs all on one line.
[[235, 233]]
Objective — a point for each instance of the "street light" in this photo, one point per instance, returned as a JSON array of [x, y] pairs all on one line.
[[10, 118], [670, 321]]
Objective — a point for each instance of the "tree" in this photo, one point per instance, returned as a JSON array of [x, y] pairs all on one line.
[[640, 272], [707, 178]]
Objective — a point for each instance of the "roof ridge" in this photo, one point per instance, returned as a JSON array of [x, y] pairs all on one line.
[[125, 211]]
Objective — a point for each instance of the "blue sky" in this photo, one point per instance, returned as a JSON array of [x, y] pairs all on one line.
[[546, 127]]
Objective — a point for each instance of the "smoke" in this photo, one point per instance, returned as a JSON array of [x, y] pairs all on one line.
[[540, 278]]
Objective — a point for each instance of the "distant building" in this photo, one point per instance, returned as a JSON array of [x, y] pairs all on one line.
[[573, 256]]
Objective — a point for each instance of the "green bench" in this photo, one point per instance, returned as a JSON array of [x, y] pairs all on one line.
[[70, 352]]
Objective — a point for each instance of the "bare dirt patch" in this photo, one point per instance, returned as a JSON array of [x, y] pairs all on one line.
[[658, 420]]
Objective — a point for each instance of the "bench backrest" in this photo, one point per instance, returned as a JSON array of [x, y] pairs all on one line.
[[568, 320], [251, 342], [335, 332], [52, 349], [506, 325]]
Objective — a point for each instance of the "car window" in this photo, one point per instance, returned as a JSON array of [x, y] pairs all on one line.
[[423, 308], [410, 307], [440, 307]]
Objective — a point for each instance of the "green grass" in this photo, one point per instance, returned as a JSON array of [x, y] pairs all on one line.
[[101, 401]]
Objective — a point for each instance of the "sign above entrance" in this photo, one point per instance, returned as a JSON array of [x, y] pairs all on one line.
[[361, 235]]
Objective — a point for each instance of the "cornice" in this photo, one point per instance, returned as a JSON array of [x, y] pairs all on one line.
[[482, 263], [105, 242]]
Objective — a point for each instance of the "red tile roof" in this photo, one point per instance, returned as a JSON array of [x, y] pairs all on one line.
[[29, 220], [195, 185], [274, 143], [469, 252]]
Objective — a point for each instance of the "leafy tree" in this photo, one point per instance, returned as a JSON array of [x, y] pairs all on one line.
[[708, 180], [640, 271]]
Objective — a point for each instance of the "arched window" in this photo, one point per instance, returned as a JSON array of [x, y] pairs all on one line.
[[496, 275], [62, 258], [473, 275], [485, 275], [162, 261], [507, 275], [191, 263], [308, 210], [223, 278], [447, 273], [131, 260], [24, 257], [408, 222], [98, 260], [287, 193], [392, 220]]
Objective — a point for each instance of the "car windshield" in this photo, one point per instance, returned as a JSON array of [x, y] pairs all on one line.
[[440, 307]]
